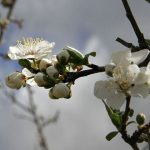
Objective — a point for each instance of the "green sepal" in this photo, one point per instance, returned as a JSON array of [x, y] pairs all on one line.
[[25, 63], [86, 58], [61, 68], [50, 82], [111, 135], [131, 112], [131, 122], [116, 117]]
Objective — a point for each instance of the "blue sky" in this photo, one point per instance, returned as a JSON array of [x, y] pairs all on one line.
[[86, 25]]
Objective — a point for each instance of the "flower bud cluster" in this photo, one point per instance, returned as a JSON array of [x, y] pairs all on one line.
[[43, 69]]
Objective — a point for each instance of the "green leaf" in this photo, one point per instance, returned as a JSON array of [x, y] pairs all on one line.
[[111, 135], [116, 117], [25, 63], [109, 110], [76, 56], [86, 61]]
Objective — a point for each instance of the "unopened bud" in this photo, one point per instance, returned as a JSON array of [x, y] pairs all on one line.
[[60, 90], [15, 80], [140, 118], [109, 69], [63, 57], [39, 79], [52, 72], [45, 63]]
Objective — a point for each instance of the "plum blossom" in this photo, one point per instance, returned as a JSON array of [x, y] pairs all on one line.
[[127, 79], [30, 48]]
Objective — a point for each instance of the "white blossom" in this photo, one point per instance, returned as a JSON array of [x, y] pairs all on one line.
[[126, 57], [15, 80], [127, 79], [30, 48]]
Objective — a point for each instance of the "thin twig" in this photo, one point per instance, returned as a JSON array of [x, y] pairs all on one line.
[[128, 45], [8, 17], [131, 141], [139, 34]]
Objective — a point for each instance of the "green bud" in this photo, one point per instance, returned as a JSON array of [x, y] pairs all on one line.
[[140, 118]]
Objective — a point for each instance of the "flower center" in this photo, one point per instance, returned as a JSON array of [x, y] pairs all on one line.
[[28, 45], [122, 77]]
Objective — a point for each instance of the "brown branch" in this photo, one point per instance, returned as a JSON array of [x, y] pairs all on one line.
[[139, 34], [72, 76], [128, 45]]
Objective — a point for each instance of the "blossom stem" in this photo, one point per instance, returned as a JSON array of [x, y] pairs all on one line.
[[123, 131], [72, 76]]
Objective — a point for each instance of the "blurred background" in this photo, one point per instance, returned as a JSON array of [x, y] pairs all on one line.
[[88, 26]]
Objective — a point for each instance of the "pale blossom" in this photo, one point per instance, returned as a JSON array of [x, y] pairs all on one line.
[[127, 79], [126, 57], [30, 48]]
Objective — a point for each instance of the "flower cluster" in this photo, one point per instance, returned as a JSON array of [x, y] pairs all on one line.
[[126, 78], [43, 69]]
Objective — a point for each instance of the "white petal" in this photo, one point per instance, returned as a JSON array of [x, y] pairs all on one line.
[[142, 77], [140, 56], [108, 90], [45, 46], [133, 71], [140, 91], [12, 52], [27, 73], [121, 57], [31, 82]]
